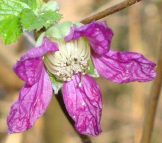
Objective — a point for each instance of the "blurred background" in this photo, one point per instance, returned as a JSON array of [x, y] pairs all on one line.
[[136, 29]]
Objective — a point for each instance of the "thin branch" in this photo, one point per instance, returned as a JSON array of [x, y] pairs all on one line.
[[110, 10], [153, 101], [29, 38]]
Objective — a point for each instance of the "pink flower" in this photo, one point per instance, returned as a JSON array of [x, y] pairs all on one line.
[[69, 62]]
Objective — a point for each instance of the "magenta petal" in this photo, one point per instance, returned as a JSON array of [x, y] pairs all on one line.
[[83, 102], [29, 70], [98, 34], [32, 103], [29, 66], [124, 67], [46, 47]]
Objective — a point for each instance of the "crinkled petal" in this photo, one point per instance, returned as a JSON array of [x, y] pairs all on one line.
[[29, 70], [46, 47], [29, 66], [32, 103], [124, 67], [98, 34], [83, 102]]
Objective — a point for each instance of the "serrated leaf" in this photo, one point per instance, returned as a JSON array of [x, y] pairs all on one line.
[[30, 21], [11, 7], [49, 6], [10, 29], [17, 15], [33, 4], [49, 18]]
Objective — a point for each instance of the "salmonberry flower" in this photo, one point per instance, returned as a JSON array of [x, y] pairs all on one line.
[[69, 60]]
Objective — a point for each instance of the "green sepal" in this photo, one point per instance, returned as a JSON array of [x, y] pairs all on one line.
[[91, 69], [56, 84], [59, 31]]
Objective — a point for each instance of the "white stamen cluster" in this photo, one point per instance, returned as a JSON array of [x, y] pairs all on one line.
[[72, 58]]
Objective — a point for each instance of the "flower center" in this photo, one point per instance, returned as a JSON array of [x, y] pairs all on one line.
[[72, 58]]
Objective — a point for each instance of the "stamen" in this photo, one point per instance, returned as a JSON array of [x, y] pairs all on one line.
[[72, 58]]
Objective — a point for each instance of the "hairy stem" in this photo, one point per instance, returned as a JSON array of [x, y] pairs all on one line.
[[110, 10], [153, 101]]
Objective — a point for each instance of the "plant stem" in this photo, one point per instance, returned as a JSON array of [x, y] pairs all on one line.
[[153, 101], [110, 10]]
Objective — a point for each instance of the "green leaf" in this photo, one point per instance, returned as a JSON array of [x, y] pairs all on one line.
[[33, 4], [19, 15], [30, 21], [10, 29], [50, 6], [10, 8], [49, 18]]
